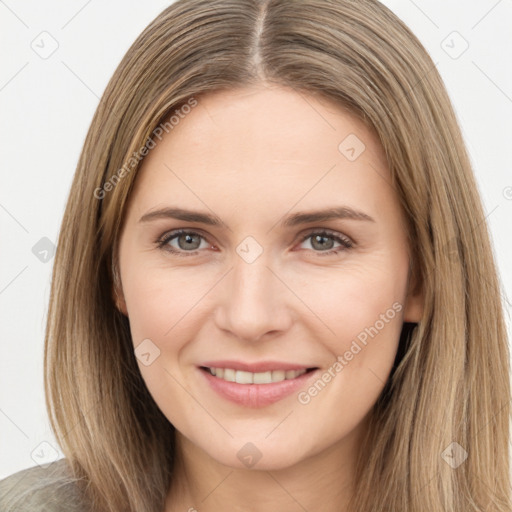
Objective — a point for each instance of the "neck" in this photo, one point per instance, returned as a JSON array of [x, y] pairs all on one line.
[[322, 482]]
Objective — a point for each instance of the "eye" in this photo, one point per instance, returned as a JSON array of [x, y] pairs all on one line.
[[324, 240], [187, 242]]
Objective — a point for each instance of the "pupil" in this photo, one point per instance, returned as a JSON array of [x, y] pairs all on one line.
[[318, 238], [188, 238]]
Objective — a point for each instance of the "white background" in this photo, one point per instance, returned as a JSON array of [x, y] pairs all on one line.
[[47, 104]]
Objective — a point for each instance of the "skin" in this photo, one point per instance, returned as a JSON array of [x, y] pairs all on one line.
[[252, 156]]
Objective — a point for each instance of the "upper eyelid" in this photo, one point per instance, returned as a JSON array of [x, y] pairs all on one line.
[[174, 232]]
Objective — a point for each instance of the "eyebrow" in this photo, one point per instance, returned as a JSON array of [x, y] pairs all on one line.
[[295, 219]]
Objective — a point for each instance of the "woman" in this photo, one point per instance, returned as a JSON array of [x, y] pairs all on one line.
[[281, 279]]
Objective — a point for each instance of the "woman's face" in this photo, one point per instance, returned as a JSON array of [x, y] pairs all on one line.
[[262, 286]]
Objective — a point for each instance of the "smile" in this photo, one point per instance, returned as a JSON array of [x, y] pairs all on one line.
[[243, 377], [269, 384]]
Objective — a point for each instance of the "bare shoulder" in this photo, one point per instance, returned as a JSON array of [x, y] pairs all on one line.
[[50, 488]]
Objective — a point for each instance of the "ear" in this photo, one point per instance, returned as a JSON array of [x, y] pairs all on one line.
[[414, 300]]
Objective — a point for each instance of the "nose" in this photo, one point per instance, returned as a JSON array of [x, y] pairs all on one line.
[[254, 303]]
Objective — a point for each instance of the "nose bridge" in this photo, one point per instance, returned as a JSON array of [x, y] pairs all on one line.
[[252, 281], [254, 302]]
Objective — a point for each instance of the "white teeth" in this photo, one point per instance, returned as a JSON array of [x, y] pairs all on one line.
[[290, 374], [229, 374], [262, 378], [242, 377], [278, 375]]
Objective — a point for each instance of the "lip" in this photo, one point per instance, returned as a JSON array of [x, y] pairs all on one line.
[[256, 395], [262, 366]]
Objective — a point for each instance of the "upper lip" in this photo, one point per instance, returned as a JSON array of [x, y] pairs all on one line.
[[262, 366]]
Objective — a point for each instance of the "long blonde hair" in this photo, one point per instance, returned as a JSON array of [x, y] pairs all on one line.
[[451, 380]]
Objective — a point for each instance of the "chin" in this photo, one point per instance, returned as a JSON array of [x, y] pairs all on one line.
[[258, 455]]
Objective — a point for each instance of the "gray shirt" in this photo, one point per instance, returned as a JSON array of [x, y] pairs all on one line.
[[49, 489]]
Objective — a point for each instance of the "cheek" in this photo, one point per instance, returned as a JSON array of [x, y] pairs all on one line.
[[162, 308], [148, 309], [160, 301], [353, 299], [364, 308]]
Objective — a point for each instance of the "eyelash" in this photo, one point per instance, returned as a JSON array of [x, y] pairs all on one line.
[[345, 242]]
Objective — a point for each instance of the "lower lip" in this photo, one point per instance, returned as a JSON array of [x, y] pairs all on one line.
[[256, 395]]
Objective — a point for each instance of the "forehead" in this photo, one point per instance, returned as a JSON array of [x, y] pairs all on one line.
[[261, 145]]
